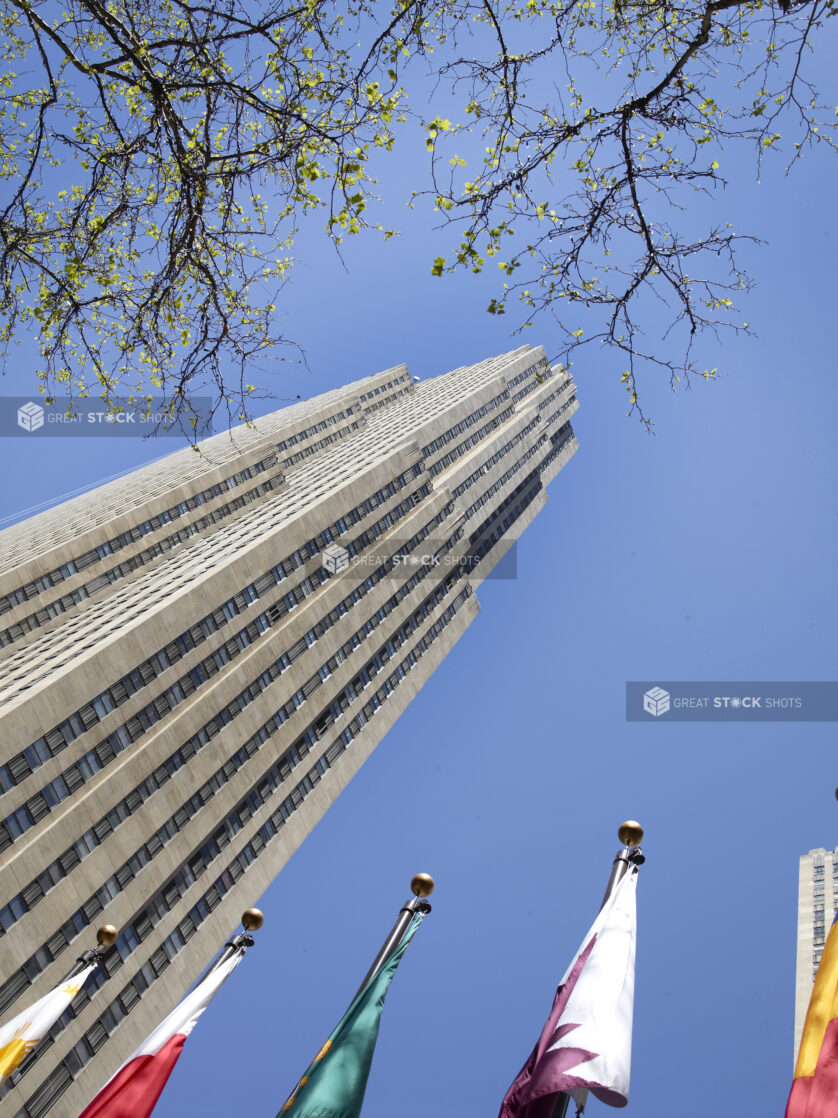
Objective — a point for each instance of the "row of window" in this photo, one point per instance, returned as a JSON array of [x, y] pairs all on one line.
[[68, 601], [370, 408], [73, 566], [522, 393], [567, 404], [43, 1099], [541, 367], [471, 441], [383, 388], [496, 457], [501, 481], [519, 499], [301, 436], [313, 448], [62, 866], [488, 541], [530, 485], [560, 439], [397, 513], [548, 400], [56, 739], [447, 436]]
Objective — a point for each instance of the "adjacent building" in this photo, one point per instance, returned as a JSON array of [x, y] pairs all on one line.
[[196, 658], [817, 902]]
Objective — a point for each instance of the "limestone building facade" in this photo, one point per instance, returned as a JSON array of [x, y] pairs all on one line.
[[187, 684], [817, 903]]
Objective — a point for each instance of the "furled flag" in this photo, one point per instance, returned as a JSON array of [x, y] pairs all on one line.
[[134, 1090], [814, 1089], [23, 1033], [335, 1082], [586, 1042]]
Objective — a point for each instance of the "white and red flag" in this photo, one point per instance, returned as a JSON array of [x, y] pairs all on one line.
[[134, 1090], [22, 1034], [586, 1042]]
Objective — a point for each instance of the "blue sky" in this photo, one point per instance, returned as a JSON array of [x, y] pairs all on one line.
[[704, 552]]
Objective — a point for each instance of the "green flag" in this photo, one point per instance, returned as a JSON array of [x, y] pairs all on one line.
[[335, 1082]]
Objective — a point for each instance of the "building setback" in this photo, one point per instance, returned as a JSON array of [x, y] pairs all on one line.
[[817, 902], [187, 684]]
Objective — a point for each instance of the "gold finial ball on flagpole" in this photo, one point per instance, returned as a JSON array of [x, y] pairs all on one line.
[[252, 920], [630, 833], [422, 885], [106, 936]]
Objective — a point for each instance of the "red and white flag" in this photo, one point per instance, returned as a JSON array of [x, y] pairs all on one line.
[[586, 1043], [134, 1090], [23, 1033]]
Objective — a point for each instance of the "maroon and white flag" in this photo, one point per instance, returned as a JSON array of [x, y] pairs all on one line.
[[586, 1042], [134, 1090]]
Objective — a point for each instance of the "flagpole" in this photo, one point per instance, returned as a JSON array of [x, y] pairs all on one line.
[[106, 938], [252, 921], [421, 885], [21, 1036], [630, 835]]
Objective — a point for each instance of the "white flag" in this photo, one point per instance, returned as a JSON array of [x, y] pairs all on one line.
[[23, 1033], [601, 1003], [586, 1043]]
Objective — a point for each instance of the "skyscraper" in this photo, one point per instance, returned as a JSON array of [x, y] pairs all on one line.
[[817, 902], [197, 658]]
